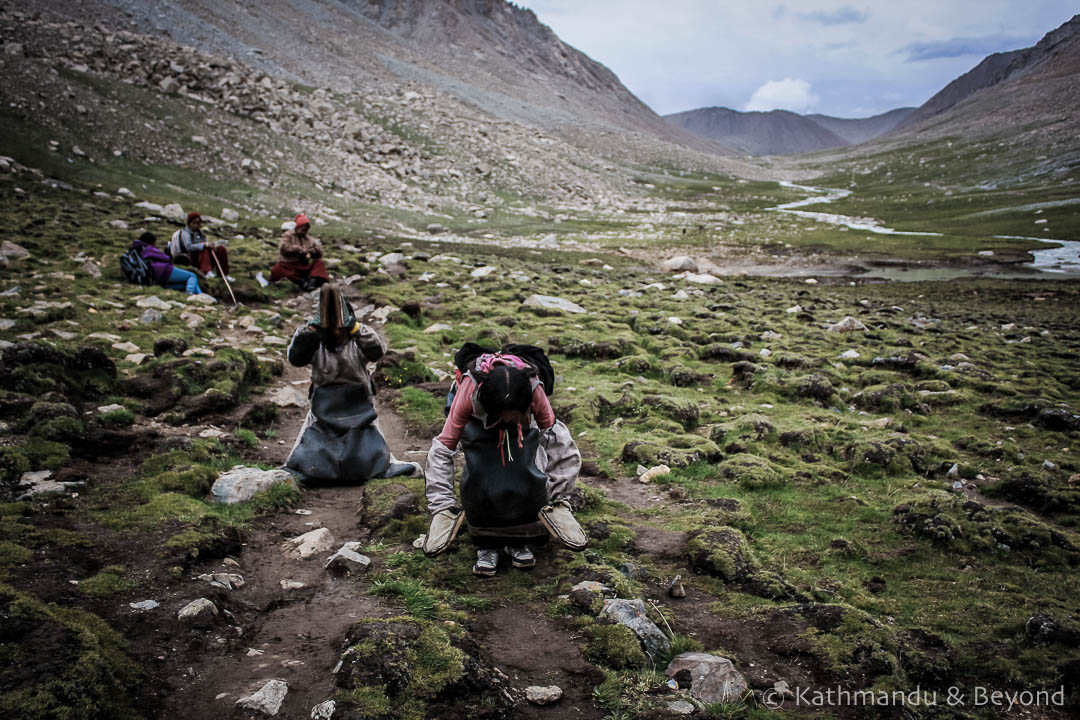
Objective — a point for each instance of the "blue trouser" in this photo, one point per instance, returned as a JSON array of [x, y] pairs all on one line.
[[183, 280]]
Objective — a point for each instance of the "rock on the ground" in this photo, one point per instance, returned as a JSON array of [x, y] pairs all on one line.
[[586, 592], [287, 396], [702, 279], [681, 707], [287, 584], [242, 483], [153, 301], [266, 699], [143, 605], [631, 613], [197, 609], [13, 251], [438, 328], [225, 581], [547, 302], [201, 299], [324, 710], [680, 263], [710, 678], [348, 559], [848, 324], [229, 215], [653, 473], [91, 269], [543, 694], [483, 272], [308, 544], [174, 212], [151, 316]]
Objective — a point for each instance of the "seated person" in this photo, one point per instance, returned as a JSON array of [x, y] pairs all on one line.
[[161, 267], [340, 441], [300, 257], [521, 463], [190, 243]]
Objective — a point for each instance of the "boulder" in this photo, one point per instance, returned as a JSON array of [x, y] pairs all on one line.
[[710, 678], [308, 544], [549, 303], [229, 215], [848, 324], [151, 316], [242, 483], [543, 695], [13, 251], [324, 710], [702, 279], [586, 592], [196, 611], [631, 613], [654, 472], [267, 699], [288, 396], [174, 212], [153, 302], [680, 263], [348, 559], [483, 272]]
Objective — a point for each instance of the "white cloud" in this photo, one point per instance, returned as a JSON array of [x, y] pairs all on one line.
[[787, 94]]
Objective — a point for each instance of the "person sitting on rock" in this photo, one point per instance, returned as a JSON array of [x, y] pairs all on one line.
[[162, 269], [340, 441], [521, 463], [300, 257], [192, 243]]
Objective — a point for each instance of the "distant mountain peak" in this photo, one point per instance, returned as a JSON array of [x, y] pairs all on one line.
[[782, 132]]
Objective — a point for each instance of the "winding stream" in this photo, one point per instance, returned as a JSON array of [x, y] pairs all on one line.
[[1062, 259]]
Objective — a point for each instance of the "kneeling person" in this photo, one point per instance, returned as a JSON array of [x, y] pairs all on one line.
[[340, 442], [521, 463]]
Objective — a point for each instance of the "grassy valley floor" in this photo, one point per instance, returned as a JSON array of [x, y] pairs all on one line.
[[886, 502]]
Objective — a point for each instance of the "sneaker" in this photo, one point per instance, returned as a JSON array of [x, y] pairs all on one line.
[[486, 563], [442, 531], [230, 278], [563, 526], [261, 279], [211, 274], [521, 557]]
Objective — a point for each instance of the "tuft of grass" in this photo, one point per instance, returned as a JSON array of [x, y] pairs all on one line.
[[110, 581]]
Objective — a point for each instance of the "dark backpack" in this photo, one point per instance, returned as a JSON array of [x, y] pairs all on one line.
[[136, 269], [536, 357]]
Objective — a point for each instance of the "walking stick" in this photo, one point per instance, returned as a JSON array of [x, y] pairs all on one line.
[[222, 273]]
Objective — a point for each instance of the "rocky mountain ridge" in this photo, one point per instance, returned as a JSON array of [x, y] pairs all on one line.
[[1053, 48], [781, 132]]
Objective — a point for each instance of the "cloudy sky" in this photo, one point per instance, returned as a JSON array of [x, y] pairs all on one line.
[[848, 59]]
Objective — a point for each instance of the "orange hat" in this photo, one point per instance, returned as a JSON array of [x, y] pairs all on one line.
[[301, 219]]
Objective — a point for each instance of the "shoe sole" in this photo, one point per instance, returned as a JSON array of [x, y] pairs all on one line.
[[523, 565], [453, 536], [559, 538], [483, 572]]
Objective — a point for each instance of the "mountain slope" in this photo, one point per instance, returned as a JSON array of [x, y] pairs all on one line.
[[488, 54], [1052, 54], [778, 132], [858, 130]]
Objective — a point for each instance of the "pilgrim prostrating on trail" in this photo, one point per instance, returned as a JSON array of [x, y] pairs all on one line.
[[340, 441], [521, 463]]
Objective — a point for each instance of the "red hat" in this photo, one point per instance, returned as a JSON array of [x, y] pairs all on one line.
[[301, 219], [192, 215]]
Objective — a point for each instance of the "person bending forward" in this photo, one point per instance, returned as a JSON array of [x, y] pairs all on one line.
[[521, 463]]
